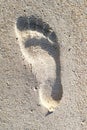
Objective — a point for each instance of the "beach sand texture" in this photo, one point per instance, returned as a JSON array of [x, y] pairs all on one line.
[[19, 97]]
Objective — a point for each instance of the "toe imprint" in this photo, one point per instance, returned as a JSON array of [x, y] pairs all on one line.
[[39, 46]]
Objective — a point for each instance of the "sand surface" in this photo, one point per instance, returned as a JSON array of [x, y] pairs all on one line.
[[19, 107]]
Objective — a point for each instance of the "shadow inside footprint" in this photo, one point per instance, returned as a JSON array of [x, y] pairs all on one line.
[[54, 52], [36, 24]]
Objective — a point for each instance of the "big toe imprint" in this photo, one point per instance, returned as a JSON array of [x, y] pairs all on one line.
[[39, 46]]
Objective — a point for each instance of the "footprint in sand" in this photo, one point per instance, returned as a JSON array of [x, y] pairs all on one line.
[[39, 46]]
